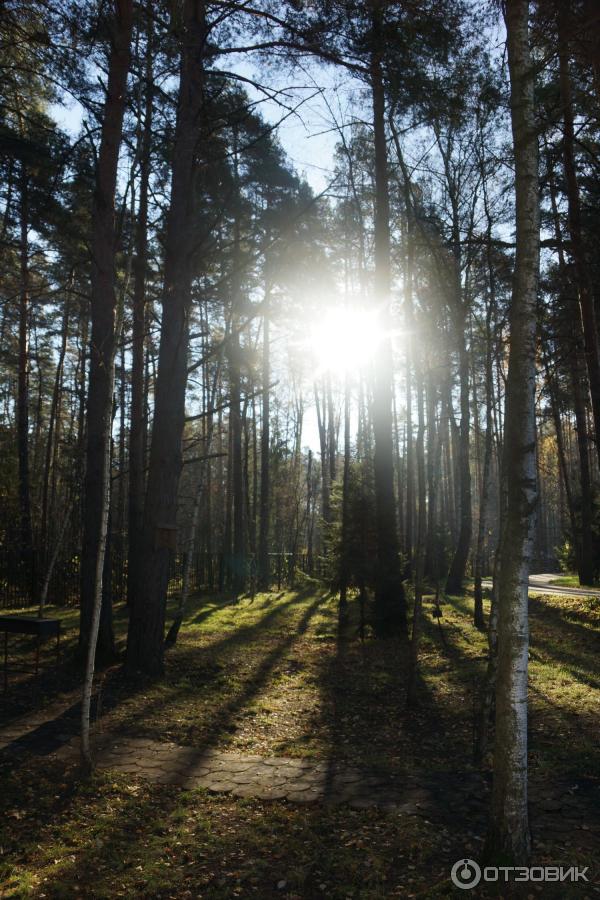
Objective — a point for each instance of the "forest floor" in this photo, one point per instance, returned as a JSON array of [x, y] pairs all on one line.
[[275, 677]]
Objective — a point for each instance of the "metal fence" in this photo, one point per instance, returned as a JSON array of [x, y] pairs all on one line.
[[207, 571]]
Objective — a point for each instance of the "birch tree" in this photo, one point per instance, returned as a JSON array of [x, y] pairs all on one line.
[[97, 483], [508, 836]]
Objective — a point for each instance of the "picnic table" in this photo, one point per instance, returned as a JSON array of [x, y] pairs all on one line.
[[40, 628]]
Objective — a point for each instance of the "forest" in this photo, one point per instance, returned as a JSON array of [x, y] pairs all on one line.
[[299, 448]]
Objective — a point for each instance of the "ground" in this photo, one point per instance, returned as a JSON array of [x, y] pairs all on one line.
[[274, 676], [569, 581]]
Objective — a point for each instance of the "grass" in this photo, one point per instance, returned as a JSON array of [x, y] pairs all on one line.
[[571, 581], [274, 676], [112, 837]]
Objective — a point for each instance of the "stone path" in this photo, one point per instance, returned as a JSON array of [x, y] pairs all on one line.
[[569, 810], [279, 778], [43, 731]]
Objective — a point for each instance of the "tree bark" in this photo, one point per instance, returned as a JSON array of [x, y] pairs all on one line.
[[390, 601], [145, 648], [508, 836], [137, 426], [581, 530], [344, 557], [26, 553], [489, 438], [238, 559], [102, 345], [585, 288], [591, 26], [265, 441], [417, 624], [237, 562], [458, 566], [325, 468], [54, 432]]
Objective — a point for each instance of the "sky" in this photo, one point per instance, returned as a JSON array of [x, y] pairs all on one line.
[[315, 99], [318, 101], [322, 98], [314, 102]]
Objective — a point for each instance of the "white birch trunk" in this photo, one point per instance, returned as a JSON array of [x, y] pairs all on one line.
[[52, 563], [190, 546], [508, 835], [86, 698]]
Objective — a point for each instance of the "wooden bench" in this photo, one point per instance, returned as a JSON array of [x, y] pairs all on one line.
[[33, 625]]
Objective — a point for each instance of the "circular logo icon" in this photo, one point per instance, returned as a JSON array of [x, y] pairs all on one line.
[[465, 874]]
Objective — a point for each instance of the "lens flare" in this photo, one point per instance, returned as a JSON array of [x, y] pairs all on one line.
[[345, 339]]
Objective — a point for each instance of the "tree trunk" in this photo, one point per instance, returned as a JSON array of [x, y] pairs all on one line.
[[344, 558], [52, 561], [586, 534], [88, 681], [434, 459], [325, 468], [591, 33], [26, 555], [581, 530], [238, 562], [489, 439], [460, 559], [417, 624], [508, 836], [390, 602], [54, 432], [410, 455], [137, 426], [331, 431], [102, 345], [309, 515], [585, 288], [145, 646], [265, 440], [484, 499]]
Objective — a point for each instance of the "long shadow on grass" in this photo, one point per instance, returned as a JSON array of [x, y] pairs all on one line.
[[116, 836], [561, 738], [116, 826], [199, 668], [362, 684], [168, 843], [580, 668], [225, 714], [557, 638], [222, 717], [30, 694], [134, 831], [215, 667], [545, 745], [364, 690]]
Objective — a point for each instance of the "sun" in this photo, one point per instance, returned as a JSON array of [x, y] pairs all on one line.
[[345, 339]]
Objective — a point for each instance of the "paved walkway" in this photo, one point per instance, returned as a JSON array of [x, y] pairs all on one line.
[[282, 778], [569, 810]]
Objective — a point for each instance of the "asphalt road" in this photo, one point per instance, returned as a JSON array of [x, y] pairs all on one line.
[[541, 584]]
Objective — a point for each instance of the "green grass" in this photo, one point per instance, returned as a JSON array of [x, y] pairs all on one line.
[[112, 837], [273, 675], [571, 581]]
